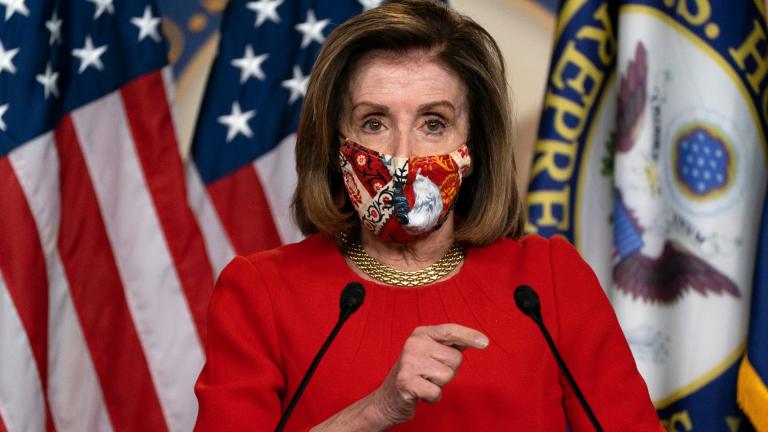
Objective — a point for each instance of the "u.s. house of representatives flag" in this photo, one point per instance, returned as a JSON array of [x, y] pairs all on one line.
[[104, 277], [652, 158]]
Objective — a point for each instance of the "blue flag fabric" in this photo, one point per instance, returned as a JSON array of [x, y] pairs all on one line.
[[58, 51], [753, 374], [261, 50], [651, 158]]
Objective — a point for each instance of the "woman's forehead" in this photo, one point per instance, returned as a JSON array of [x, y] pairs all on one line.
[[415, 76]]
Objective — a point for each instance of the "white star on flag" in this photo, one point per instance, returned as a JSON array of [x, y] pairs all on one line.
[[3, 109], [370, 4], [265, 10], [297, 85], [14, 6], [237, 122], [6, 59], [54, 26], [89, 55], [101, 6], [147, 25], [48, 80], [250, 64], [312, 29]]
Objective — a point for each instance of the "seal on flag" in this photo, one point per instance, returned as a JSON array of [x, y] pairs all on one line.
[[703, 163], [667, 277]]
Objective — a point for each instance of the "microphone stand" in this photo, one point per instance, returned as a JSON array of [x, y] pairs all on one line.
[[310, 372], [351, 299], [527, 301], [567, 374]]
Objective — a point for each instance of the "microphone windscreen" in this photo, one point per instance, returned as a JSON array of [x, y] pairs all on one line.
[[527, 300], [352, 297]]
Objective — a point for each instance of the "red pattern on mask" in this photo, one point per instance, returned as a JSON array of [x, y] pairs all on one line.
[[371, 171]]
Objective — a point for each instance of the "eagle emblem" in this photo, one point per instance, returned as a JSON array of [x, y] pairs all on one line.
[[702, 167], [665, 278]]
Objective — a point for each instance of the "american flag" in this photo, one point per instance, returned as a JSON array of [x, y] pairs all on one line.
[[105, 276], [243, 147], [105, 237]]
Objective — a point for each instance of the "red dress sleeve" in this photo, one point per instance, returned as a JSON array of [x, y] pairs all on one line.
[[241, 385], [594, 347]]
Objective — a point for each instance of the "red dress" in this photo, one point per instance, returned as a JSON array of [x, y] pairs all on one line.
[[271, 312]]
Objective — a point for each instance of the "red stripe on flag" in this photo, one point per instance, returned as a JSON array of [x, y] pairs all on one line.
[[155, 140], [2, 425], [98, 295], [23, 266], [244, 211]]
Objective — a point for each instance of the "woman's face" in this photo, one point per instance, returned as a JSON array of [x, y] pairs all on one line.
[[405, 105]]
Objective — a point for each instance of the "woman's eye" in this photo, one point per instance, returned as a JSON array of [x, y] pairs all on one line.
[[434, 125], [373, 125]]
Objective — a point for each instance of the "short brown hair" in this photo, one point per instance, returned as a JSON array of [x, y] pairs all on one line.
[[489, 205]]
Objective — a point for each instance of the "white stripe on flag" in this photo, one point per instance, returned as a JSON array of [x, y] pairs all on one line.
[[74, 393], [22, 404], [217, 245], [170, 93], [277, 173], [157, 303]]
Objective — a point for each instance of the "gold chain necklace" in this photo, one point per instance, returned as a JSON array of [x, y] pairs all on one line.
[[352, 249]]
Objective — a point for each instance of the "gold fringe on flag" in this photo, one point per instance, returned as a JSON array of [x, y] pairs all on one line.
[[752, 395]]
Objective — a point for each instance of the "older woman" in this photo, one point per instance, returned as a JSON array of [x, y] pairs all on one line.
[[406, 182]]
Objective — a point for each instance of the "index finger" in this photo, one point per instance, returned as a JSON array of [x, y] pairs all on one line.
[[456, 335]]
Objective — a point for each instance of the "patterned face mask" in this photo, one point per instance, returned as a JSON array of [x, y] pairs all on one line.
[[399, 198]]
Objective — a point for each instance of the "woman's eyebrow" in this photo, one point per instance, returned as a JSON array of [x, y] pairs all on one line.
[[437, 104], [370, 105]]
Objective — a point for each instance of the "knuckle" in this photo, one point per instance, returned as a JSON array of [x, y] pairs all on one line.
[[448, 331], [456, 358], [407, 359], [451, 357], [434, 394], [411, 343], [450, 374], [446, 374]]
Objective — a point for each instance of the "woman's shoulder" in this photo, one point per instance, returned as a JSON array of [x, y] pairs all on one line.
[[308, 262], [313, 246], [313, 253], [529, 259], [527, 247]]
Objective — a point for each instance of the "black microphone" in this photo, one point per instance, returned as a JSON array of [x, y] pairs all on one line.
[[528, 302], [351, 299]]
